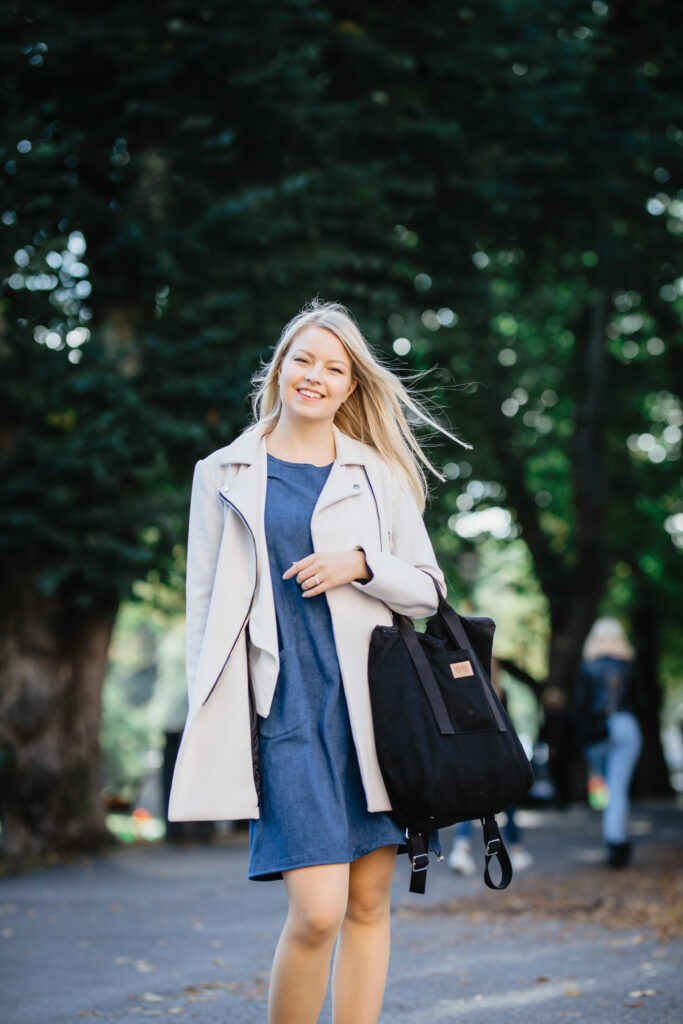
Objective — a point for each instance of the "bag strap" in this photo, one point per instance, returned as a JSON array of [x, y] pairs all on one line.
[[419, 860], [451, 617], [495, 847], [426, 676]]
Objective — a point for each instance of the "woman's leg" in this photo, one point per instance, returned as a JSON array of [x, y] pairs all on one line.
[[362, 957], [301, 968]]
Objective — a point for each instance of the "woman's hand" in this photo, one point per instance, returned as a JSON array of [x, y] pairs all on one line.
[[327, 569]]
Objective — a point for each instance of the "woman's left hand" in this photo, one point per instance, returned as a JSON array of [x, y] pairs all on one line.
[[322, 571]]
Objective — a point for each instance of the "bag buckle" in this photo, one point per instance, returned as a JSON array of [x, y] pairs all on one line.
[[493, 847], [421, 862]]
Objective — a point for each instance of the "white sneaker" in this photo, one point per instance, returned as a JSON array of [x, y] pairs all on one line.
[[520, 858], [460, 858]]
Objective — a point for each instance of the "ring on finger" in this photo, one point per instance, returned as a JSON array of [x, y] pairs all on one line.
[[317, 580]]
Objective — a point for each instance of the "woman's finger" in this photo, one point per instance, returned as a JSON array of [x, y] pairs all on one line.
[[296, 567], [317, 588]]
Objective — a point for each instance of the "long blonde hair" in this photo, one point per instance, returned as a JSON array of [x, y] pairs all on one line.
[[380, 409]]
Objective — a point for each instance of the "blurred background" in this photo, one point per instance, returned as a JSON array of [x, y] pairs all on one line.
[[495, 191]]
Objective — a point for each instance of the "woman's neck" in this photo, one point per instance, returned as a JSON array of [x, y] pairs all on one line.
[[306, 442]]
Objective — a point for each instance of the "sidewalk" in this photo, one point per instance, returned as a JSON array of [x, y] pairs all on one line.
[[168, 932]]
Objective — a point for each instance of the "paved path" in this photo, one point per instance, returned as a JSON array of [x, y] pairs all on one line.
[[178, 932]]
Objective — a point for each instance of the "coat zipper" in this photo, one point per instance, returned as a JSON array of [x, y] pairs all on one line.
[[379, 518], [251, 601]]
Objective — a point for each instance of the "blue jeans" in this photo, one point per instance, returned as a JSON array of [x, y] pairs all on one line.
[[615, 758]]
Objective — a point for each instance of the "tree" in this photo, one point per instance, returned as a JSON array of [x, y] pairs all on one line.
[[179, 178]]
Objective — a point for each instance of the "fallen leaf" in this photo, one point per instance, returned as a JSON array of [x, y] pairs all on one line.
[[143, 967], [572, 991], [541, 980], [638, 993], [633, 1006], [151, 997]]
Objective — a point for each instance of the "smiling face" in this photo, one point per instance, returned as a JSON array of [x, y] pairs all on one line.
[[315, 375]]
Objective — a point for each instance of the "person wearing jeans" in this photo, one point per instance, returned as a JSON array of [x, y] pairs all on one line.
[[614, 760], [607, 701]]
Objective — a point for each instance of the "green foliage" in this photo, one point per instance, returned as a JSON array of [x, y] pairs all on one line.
[[178, 178], [144, 691]]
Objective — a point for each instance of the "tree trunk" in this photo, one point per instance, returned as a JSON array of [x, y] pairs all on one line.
[[574, 605], [52, 666], [652, 773]]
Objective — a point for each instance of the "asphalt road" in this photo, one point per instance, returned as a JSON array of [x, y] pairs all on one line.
[[179, 932]]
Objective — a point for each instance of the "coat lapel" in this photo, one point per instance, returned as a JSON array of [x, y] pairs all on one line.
[[244, 484], [244, 488]]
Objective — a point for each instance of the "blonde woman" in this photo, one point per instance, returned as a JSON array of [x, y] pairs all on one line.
[[607, 700], [304, 533]]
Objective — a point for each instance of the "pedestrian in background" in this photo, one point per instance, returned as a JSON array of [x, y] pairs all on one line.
[[606, 700], [304, 534]]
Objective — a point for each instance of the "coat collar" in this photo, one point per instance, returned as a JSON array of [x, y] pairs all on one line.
[[245, 489], [245, 449]]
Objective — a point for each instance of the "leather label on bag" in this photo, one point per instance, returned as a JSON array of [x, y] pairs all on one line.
[[461, 668]]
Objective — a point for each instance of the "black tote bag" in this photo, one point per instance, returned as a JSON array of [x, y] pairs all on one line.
[[445, 745]]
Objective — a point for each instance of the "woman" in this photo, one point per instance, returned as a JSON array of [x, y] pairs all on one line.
[[304, 534], [607, 703]]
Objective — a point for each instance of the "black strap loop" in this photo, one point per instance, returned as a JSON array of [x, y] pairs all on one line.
[[495, 847]]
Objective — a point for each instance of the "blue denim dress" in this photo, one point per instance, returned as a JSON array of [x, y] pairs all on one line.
[[313, 808]]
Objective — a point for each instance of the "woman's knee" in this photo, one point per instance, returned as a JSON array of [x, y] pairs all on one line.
[[317, 902], [368, 907], [316, 923]]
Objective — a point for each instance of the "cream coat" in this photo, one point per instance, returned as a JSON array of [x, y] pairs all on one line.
[[361, 505]]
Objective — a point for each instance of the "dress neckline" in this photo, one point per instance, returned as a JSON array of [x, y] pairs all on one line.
[[287, 463]]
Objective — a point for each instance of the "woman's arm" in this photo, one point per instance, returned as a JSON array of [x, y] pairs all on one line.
[[399, 579], [203, 543]]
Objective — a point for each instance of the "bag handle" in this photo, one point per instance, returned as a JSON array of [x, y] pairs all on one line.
[[426, 676], [452, 621], [450, 617]]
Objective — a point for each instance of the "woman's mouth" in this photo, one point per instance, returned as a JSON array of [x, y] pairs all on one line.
[[311, 396]]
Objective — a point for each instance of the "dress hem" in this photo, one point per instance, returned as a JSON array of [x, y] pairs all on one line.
[[275, 876]]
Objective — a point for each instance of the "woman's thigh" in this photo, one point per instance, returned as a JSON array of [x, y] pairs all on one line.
[[318, 897]]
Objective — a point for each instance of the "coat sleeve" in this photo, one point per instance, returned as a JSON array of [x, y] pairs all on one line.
[[399, 578], [203, 544]]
